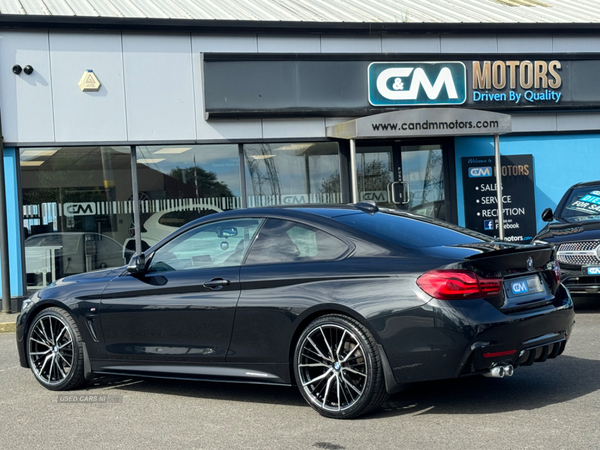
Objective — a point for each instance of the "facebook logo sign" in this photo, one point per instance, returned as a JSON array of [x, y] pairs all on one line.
[[488, 224], [476, 172]]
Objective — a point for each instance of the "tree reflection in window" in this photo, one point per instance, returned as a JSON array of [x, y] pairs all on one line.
[[292, 173]]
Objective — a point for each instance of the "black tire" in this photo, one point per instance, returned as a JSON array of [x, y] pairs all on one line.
[[54, 350], [338, 368]]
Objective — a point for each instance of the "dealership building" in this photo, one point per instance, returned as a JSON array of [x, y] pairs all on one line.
[[123, 119]]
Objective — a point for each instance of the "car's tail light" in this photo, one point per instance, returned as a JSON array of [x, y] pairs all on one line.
[[554, 267], [458, 284]]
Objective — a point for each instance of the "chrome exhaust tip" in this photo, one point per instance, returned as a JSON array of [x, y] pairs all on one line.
[[500, 371], [496, 372]]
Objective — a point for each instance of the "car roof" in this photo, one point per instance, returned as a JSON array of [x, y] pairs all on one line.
[[324, 210], [586, 183]]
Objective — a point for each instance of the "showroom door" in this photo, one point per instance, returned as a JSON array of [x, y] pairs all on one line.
[[404, 175]]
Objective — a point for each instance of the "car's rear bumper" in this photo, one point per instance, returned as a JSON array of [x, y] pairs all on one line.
[[578, 283], [467, 337], [583, 285], [584, 289]]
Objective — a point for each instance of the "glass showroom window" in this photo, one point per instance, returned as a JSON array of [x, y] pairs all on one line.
[[77, 210], [374, 167], [287, 174], [425, 168], [178, 184]]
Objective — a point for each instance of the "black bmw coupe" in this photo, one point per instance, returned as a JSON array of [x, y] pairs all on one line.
[[346, 302]]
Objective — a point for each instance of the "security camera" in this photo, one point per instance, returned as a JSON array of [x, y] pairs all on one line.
[[16, 69], [28, 70]]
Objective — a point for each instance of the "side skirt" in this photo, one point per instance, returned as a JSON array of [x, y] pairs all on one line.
[[258, 374]]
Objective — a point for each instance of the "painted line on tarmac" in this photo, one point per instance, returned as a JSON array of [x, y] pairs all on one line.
[[8, 327]]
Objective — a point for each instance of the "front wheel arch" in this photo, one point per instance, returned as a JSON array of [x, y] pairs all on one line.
[[32, 314], [60, 352]]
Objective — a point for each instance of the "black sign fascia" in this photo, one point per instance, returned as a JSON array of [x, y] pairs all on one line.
[[518, 196], [310, 85]]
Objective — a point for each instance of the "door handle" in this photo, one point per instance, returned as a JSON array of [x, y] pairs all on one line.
[[405, 193], [406, 186], [216, 283]]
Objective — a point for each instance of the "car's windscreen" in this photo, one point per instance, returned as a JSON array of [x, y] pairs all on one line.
[[411, 232], [583, 204]]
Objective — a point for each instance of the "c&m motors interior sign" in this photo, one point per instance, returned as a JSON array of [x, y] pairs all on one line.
[[417, 83]]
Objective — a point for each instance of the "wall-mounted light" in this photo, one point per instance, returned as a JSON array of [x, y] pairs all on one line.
[[28, 70], [16, 69]]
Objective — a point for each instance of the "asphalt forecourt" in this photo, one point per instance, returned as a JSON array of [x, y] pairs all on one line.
[[550, 405]]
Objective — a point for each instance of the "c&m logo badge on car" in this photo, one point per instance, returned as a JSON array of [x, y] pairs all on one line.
[[417, 83], [519, 287]]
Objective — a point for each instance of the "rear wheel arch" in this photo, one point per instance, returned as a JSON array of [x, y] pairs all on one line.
[[314, 313], [334, 385]]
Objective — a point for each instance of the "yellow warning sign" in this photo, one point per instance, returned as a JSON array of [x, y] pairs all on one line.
[[89, 82]]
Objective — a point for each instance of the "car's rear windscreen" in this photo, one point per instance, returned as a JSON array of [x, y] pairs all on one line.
[[411, 232]]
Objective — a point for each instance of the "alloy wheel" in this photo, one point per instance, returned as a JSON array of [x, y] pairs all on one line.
[[51, 350], [332, 367]]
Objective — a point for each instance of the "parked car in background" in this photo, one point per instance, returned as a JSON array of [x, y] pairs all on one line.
[[159, 225], [347, 302], [574, 227], [49, 256]]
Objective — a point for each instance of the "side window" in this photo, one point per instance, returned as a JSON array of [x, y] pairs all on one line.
[[282, 241], [216, 244]]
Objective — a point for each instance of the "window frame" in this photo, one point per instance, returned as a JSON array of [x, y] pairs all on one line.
[[350, 246], [186, 229]]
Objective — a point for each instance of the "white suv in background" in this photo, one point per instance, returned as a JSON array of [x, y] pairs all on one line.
[[164, 222]]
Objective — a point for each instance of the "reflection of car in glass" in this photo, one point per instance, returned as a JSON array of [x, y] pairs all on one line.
[[164, 222], [70, 253], [346, 302], [575, 229]]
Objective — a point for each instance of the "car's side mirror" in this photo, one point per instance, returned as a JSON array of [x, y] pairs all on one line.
[[547, 215], [137, 264]]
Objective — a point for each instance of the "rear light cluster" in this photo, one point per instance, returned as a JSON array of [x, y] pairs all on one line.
[[458, 284], [554, 267]]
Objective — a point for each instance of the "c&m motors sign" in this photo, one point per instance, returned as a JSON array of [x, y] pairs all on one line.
[[417, 83]]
